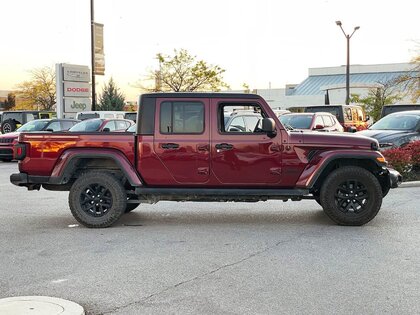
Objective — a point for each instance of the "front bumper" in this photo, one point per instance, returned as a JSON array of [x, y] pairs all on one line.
[[395, 178]]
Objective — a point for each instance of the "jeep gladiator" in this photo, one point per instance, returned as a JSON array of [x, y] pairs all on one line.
[[181, 151]]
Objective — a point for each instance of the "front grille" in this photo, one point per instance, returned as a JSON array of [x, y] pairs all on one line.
[[6, 140]]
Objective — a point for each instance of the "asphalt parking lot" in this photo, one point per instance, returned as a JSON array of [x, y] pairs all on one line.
[[212, 258]]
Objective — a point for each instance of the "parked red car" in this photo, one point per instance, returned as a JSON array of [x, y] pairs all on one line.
[[101, 124], [9, 139], [311, 121]]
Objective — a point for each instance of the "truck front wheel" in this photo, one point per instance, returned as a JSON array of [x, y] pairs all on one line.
[[97, 199], [351, 195]]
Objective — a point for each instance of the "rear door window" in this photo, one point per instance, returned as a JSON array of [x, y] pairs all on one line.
[[182, 117]]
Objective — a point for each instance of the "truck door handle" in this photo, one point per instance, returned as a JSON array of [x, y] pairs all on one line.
[[202, 147], [170, 145], [224, 146]]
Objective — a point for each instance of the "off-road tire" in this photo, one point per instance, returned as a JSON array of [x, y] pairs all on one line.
[[97, 199], [351, 195], [9, 125]]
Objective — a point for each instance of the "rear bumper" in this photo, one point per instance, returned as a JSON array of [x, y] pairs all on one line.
[[31, 182], [395, 178]]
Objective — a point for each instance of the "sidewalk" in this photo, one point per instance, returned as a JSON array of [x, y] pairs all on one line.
[[409, 184]]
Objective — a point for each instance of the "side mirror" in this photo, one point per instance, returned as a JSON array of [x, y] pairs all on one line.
[[48, 129], [269, 126], [106, 130], [318, 127]]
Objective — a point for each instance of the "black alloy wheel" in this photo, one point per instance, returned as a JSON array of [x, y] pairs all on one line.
[[352, 196], [96, 200]]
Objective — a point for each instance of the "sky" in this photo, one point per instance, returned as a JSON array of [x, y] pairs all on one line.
[[261, 43]]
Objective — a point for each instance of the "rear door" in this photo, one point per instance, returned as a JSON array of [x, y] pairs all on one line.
[[182, 139]]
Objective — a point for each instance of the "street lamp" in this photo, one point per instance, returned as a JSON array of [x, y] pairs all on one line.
[[348, 59], [92, 51]]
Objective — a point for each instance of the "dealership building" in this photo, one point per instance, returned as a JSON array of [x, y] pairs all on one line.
[[328, 85]]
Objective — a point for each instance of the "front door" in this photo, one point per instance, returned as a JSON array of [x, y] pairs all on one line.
[[182, 139], [241, 153]]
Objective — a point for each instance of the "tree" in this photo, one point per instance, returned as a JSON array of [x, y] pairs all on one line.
[[111, 98], [39, 92], [411, 81], [10, 102], [183, 73], [386, 93]]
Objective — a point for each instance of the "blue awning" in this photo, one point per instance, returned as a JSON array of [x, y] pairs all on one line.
[[317, 84]]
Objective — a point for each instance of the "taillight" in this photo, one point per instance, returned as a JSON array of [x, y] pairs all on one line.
[[19, 151]]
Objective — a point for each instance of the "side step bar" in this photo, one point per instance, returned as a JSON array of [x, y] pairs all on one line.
[[214, 194]]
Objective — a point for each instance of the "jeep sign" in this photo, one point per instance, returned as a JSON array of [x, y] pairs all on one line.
[[78, 89], [74, 105]]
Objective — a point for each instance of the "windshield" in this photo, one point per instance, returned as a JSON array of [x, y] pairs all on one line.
[[296, 121], [87, 125], [394, 122], [34, 125]]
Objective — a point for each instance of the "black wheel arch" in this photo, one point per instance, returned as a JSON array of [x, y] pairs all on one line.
[[378, 170], [80, 163]]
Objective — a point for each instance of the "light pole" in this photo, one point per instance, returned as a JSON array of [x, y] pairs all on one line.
[[92, 51], [348, 60]]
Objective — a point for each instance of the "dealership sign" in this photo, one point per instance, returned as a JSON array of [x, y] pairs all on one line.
[[76, 104], [73, 89]]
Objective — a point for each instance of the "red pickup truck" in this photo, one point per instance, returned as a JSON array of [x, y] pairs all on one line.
[[181, 151]]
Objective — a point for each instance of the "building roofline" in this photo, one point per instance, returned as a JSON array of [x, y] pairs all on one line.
[[357, 68]]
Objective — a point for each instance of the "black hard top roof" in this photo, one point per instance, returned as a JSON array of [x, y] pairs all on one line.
[[201, 94]]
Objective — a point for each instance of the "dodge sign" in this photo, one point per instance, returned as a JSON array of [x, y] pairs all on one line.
[[78, 89]]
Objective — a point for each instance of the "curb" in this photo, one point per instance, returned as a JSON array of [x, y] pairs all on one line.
[[44, 305], [409, 184]]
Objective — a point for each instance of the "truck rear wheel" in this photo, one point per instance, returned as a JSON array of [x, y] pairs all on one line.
[[351, 195], [97, 199]]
